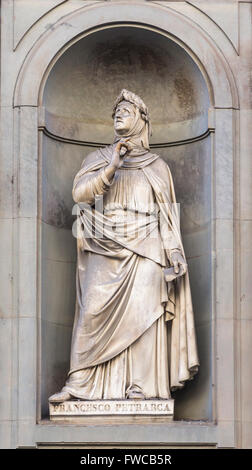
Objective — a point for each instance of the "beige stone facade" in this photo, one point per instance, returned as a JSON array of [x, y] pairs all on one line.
[[191, 61]]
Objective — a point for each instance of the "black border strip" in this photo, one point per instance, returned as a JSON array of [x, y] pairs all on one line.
[[84, 143]]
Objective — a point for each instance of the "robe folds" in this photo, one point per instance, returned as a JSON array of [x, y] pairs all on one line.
[[126, 313]]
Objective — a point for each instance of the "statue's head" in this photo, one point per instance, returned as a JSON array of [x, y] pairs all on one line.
[[131, 118], [125, 117]]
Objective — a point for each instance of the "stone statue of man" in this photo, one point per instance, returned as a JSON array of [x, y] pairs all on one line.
[[133, 333]]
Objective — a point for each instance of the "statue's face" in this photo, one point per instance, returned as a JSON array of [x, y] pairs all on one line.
[[124, 117]]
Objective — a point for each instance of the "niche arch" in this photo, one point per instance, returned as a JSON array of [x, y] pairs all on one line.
[[77, 102]]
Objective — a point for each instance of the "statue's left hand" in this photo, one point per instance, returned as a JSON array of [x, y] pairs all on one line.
[[179, 263]]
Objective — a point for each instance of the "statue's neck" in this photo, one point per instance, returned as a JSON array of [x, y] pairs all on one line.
[[135, 144]]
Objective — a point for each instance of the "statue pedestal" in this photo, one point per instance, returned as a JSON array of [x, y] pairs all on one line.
[[79, 410]]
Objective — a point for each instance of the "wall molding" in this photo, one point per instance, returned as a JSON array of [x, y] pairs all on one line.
[[84, 143]]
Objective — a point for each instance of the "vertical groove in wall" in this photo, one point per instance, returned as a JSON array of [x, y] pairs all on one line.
[[213, 280], [237, 280], [15, 263], [39, 255]]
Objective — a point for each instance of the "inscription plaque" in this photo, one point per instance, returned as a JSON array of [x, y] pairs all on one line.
[[111, 407]]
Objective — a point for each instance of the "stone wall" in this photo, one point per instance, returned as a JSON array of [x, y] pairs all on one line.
[[191, 63]]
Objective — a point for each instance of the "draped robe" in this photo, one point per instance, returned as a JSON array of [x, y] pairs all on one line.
[[131, 328]]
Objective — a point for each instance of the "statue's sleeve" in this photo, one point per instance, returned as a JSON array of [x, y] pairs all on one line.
[[171, 242], [90, 184], [169, 218]]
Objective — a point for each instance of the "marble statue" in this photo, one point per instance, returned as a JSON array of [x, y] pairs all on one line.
[[133, 334]]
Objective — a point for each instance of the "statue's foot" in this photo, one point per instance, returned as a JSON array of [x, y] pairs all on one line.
[[133, 394], [60, 397]]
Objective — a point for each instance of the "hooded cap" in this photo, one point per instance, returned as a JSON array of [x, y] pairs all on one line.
[[141, 130]]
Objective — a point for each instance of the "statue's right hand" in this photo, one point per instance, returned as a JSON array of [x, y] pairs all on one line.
[[119, 153]]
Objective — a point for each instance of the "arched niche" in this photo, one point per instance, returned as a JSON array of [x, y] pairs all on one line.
[[84, 82], [77, 100]]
